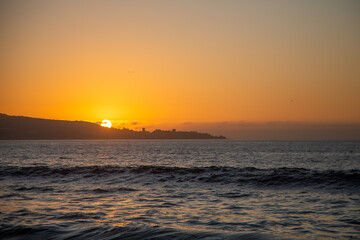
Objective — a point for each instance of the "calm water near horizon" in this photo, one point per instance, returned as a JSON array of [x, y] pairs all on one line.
[[179, 189]]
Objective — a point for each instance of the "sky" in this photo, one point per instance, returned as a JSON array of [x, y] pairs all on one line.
[[171, 63]]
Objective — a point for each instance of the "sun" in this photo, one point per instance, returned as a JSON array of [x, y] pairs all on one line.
[[106, 123]]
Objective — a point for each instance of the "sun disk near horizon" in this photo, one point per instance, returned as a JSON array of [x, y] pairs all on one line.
[[106, 123]]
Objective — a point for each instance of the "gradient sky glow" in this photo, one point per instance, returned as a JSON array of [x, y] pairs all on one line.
[[180, 61]]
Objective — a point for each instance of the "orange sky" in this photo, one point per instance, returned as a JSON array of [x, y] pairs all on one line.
[[181, 61]]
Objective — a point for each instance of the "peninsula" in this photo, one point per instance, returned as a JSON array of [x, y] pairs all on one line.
[[28, 128]]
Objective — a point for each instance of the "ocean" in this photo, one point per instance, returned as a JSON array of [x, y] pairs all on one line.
[[179, 189]]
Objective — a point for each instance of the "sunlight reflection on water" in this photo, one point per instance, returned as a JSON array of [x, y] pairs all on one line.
[[208, 188]]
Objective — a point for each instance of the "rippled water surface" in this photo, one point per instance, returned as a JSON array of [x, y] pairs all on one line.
[[188, 189]]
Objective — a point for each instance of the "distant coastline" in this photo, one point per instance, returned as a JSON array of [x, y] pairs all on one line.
[[28, 128]]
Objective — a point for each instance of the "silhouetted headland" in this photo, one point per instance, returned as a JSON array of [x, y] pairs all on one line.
[[19, 127]]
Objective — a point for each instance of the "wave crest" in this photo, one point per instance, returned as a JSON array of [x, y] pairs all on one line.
[[242, 176]]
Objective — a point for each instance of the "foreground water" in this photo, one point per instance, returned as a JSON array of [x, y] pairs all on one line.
[[209, 189]]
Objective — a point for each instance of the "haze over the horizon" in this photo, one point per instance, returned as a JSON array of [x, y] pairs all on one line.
[[162, 63]]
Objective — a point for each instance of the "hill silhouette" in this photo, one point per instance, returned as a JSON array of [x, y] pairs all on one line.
[[27, 128]]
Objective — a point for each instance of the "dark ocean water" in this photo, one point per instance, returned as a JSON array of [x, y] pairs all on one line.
[[188, 189]]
